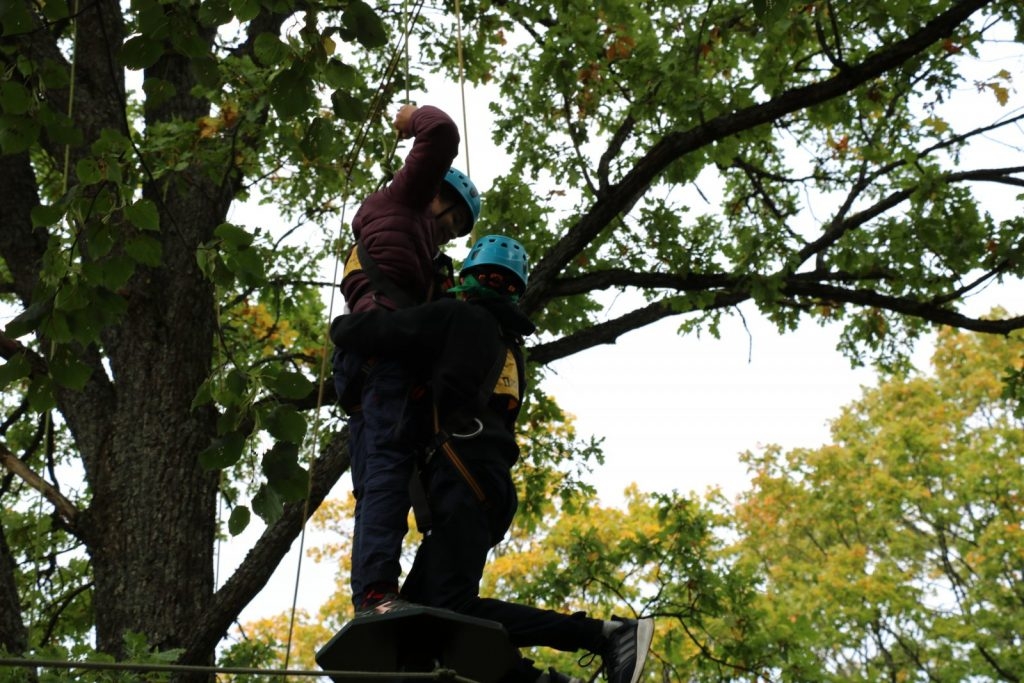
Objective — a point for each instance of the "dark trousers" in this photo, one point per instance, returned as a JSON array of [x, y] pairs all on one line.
[[382, 462], [450, 561]]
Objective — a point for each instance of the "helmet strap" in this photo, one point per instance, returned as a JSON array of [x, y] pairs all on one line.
[[471, 287]]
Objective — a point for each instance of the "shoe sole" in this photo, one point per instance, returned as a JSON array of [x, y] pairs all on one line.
[[644, 636]]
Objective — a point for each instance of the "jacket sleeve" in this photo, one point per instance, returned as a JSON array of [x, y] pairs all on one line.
[[435, 146], [425, 332]]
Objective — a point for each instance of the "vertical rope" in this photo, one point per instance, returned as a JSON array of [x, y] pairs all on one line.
[[374, 110], [462, 82]]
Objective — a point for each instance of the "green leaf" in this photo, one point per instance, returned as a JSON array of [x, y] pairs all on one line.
[[269, 50], [145, 249], [233, 236], [141, 52], [14, 369], [40, 395], [112, 273], [247, 266], [267, 504], [286, 423], [29, 319], [290, 385], [222, 275], [214, 13], [339, 75], [72, 297], [152, 19], [68, 371], [291, 93], [15, 18], [112, 142], [88, 171], [143, 215], [55, 10], [283, 472], [204, 395], [44, 216], [17, 133], [245, 10], [189, 43], [101, 239], [348, 107], [363, 24], [236, 384], [60, 128], [157, 91], [317, 142], [206, 71], [238, 520], [83, 326], [206, 259], [15, 98], [225, 451]]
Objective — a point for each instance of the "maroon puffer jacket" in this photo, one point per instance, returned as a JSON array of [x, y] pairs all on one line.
[[395, 224]]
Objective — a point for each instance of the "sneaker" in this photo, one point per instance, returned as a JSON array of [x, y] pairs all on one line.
[[552, 676], [626, 650], [381, 603]]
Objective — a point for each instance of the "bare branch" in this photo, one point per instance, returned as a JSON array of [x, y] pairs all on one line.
[[65, 508]]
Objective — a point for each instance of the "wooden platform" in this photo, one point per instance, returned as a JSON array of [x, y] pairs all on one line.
[[417, 639]]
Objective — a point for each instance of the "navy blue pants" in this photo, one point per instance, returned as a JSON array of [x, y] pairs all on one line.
[[383, 459], [450, 561]]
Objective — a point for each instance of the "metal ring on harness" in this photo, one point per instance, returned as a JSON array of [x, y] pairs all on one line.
[[470, 435]]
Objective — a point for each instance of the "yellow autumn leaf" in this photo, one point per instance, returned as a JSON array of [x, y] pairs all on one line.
[[209, 126], [1002, 94], [936, 124]]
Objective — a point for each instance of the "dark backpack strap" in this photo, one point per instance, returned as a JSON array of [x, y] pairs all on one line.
[[380, 281]]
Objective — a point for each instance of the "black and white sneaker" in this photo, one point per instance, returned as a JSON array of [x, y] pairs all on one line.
[[626, 650]]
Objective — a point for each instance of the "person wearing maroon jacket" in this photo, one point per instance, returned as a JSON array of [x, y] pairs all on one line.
[[396, 262]]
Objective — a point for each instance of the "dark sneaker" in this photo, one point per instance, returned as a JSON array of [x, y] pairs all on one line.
[[381, 603], [552, 676], [625, 652]]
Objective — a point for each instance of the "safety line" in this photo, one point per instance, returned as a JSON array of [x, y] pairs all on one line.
[[462, 82], [23, 662], [373, 111]]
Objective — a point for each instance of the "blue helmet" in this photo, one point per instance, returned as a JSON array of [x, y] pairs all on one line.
[[467, 190], [498, 250]]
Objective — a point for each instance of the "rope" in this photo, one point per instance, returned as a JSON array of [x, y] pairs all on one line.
[[437, 674], [374, 110], [462, 81], [402, 48]]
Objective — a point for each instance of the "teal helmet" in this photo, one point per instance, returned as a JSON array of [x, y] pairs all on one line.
[[498, 250], [465, 188]]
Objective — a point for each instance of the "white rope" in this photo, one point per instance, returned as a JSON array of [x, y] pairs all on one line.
[[349, 163]]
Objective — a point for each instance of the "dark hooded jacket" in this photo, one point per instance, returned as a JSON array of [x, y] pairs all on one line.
[[395, 224], [469, 351]]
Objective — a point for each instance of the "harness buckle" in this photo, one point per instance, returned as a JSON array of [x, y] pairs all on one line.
[[470, 434]]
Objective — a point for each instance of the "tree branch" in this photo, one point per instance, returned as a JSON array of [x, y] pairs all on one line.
[[65, 508], [675, 145]]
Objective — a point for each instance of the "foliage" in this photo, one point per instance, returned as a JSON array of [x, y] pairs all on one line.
[[892, 553], [166, 347], [895, 551]]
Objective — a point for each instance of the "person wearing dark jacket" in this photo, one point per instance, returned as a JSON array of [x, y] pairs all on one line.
[[396, 262], [469, 352]]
